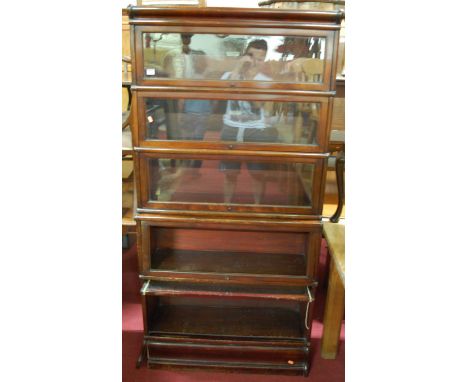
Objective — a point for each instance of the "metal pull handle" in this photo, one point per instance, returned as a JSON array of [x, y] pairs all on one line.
[[307, 308], [145, 288]]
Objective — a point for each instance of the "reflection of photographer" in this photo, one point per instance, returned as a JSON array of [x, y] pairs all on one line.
[[250, 65], [244, 121], [243, 115], [184, 62]]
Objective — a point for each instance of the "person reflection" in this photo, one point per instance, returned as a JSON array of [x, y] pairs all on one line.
[[194, 114], [178, 63], [244, 121], [191, 115]]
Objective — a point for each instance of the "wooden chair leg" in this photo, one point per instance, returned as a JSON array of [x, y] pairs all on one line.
[[339, 168], [334, 310]]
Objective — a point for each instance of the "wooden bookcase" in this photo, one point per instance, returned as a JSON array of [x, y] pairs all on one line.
[[231, 121]]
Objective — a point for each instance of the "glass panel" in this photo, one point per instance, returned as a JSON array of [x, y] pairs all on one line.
[[292, 123], [231, 182], [234, 57]]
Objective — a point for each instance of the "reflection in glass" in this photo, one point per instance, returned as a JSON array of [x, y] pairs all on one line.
[[232, 121], [234, 57], [231, 182]]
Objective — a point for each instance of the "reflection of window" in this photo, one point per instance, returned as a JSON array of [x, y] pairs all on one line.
[[234, 46]]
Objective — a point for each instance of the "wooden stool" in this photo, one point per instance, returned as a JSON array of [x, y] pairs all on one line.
[[334, 306]]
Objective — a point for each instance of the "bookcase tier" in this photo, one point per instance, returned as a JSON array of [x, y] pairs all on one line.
[[230, 131]]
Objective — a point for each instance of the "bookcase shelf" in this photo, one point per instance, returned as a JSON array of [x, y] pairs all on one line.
[[225, 321], [170, 288], [228, 262], [231, 126]]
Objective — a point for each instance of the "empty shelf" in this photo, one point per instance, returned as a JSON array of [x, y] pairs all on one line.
[[228, 262], [227, 321]]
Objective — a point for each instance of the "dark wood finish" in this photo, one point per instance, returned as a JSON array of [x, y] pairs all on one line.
[[232, 367], [340, 87], [254, 86], [232, 222], [229, 353], [228, 21], [160, 15], [313, 248], [227, 321], [228, 262], [184, 354], [302, 342], [189, 152], [230, 286], [169, 288], [220, 333], [322, 129], [273, 253], [270, 94], [270, 2], [236, 241], [316, 192]]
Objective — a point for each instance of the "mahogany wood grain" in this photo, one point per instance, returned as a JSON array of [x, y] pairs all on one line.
[[189, 152], [226, 240], [229, 367], [249, 356], [228, 262], [322, 126], [252, 22], [226, 321], [227, 278], [183, 26], [222, 352], [286, 93], [161, 288], [304, 342], [230, 284], [181, 250], [340, 87], [235, 223], [313, 248], [145, 179], [147, 213], [285, 16]]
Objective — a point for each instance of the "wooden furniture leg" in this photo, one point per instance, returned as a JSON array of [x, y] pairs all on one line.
[[142, 355], [334, 310], [339, 168]]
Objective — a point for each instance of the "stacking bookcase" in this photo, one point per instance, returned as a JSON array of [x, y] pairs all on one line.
[[231, 120]]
